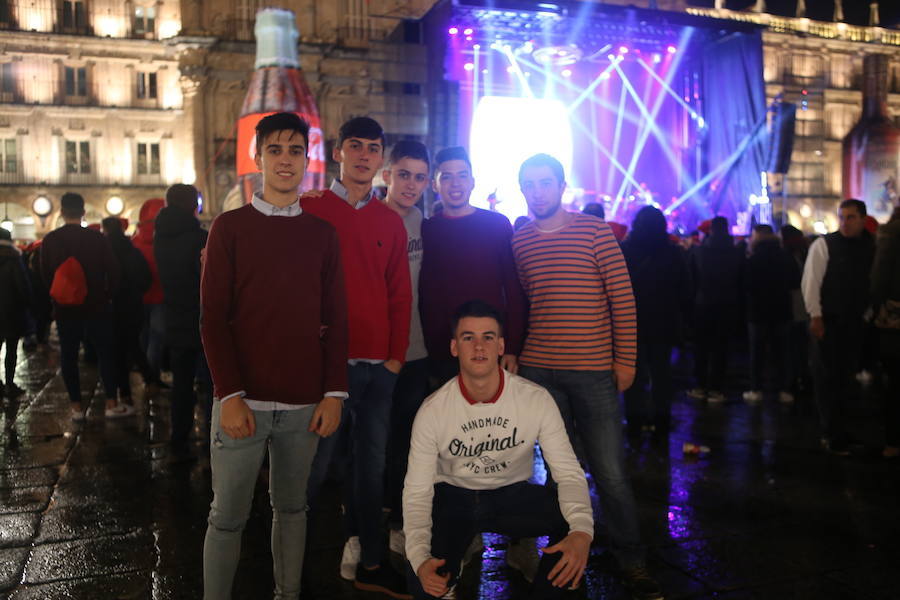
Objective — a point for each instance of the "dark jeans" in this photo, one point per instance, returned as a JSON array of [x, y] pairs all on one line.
[[12, 349], [713, 325], [360, 448], [798, 354], [651, 406], [835, 362], [152, 339], [128, 351], [409, 393], [519, 510], [188, 364], [772, 336], [889, 340], [440, 371], [589, 405], [98, 330]]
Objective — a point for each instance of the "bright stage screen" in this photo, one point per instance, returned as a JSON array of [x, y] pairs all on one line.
[[506, 131]]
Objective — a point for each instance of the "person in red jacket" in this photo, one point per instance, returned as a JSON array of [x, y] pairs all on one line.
[[376, 271], [153, 332], [274, 327]]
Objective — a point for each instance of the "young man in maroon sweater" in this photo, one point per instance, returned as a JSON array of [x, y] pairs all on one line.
[[466, 256], [376, 270], [274, 327]]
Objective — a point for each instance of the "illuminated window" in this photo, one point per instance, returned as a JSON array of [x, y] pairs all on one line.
[[8, 162], [147, 158], [78, 157], [146, 85], [144, 20], [74, 14], [76, 81]]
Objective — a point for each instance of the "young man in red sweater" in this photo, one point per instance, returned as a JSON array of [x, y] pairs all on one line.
[[376, 270], [274, 327]]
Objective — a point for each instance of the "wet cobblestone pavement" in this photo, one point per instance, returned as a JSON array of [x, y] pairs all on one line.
[[104, 510]]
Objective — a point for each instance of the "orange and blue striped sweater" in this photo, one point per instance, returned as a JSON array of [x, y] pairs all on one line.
[[582, 313]]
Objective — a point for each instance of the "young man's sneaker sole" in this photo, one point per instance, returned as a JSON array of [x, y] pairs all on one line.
[[350, 559]]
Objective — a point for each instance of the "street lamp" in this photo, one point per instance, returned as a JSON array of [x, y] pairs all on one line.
[[115, 206], [42, 206]]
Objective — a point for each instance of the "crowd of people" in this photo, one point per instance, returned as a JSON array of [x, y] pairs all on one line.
[[417, 362]]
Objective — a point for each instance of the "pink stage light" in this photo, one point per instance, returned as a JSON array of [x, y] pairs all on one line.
[[671, 49], [623, 49], [468, 31], [453, 30], [468, 66], [567, 73]]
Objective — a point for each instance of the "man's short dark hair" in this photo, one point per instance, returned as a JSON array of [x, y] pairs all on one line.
[[452, 153], [283, 121], [112, 226], [544, 160], [409, 149], [71, 205], [183, 196], [718, 225], [854, 203], [764, 229], [594, 208], [475, 308], [365, 128]]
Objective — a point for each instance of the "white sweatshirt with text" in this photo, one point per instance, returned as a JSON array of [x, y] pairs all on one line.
[[487, 446]]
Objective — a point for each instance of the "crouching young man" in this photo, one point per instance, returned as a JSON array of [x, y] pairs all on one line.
[[471, 455], [274, 327]]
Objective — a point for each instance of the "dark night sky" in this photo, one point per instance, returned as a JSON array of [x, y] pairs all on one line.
[[856, 12]]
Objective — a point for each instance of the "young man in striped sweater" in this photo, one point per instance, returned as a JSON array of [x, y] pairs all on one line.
[[581, 343]]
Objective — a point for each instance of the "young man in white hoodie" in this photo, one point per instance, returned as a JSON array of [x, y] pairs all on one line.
[[470, 459]]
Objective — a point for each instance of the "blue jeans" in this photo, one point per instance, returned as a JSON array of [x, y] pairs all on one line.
[[359, 449], [235, 467], [518, 510], [152, 338], [589, 404], [409, 393], [98, 330]]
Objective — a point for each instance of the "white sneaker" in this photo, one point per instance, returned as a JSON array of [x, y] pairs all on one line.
[[120, 410], [350, 558], [397, 542], [697, 393], [785, 397], [753, 397], [524, 558], [715, 397], [864, 377]]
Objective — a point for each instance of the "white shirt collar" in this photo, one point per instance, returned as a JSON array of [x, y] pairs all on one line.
[[270, 210]]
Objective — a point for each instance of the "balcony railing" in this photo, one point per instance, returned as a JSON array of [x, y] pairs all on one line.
[[78, 18], [112, 92], [79, 179]]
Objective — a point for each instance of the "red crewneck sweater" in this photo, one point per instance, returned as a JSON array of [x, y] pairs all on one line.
[[268, 287], [376, 274]]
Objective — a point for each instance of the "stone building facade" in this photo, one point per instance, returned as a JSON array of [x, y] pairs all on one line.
[[119, 99]]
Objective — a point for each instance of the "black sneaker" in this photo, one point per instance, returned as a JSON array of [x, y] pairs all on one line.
[[641, 585], [384, 579]]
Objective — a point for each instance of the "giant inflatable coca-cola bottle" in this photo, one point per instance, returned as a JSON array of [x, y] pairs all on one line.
[[277, 85], [872, 148]]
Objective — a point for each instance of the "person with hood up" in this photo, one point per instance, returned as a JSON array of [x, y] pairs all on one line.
[[717, 268], [15, 298], [662, 288], [154, 330], [178, 243], [772, 274]]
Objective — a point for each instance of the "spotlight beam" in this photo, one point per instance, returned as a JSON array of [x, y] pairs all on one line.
[[723, 166], [589, 89], [603, 150], [517, 69], [651, 120], [617, 134], [667, 87]]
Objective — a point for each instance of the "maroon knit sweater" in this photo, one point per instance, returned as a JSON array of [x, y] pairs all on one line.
[[469, 258], [274, 320]]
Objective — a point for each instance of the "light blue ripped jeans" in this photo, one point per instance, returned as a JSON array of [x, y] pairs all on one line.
[[235, 467]]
